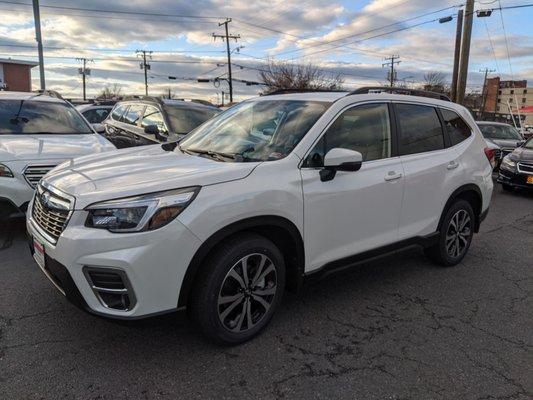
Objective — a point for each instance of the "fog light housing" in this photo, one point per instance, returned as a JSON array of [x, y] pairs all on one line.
[[112, 287]]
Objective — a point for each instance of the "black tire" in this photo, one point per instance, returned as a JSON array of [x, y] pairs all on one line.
[[452, 246], [507, 188], [216, 284]]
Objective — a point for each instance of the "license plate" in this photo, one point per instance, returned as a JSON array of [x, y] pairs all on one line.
[[38, 253], [530, 179]]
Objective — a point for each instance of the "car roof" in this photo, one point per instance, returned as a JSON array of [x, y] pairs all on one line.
[[29, 96], [84, 107], [333, 96], [169, 102], [492, 123]]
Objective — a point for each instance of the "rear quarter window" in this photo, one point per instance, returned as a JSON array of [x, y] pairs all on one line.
[[117, 112], [457, 129]]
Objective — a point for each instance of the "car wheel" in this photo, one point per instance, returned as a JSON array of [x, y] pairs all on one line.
[[455, 235], [238, 290], [507, 188]]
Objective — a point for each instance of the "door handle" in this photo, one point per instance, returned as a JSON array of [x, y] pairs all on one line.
[[452, 165], [392, 176]]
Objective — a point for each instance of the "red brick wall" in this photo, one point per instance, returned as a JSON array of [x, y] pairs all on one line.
[[17, 77], [491, 100]]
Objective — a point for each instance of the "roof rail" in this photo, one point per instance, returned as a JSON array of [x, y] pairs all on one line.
[[50, 93], [398, 90], [142, 97], [287, 91]]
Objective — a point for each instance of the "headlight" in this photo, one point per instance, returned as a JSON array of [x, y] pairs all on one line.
[[507, 163], [5, 172], [140, 213]]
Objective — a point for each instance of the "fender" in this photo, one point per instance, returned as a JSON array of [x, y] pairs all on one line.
[[471, 187], [264, 225]]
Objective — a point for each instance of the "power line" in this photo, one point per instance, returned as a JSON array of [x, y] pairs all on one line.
[[107, 50]]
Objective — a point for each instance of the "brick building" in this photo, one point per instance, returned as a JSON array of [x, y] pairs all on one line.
[[15, 75], [500, 96]]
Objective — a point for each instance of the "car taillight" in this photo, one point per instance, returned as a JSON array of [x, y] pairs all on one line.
[[491, 153]]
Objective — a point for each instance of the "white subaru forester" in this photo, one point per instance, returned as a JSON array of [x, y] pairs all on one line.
[[266, 194]]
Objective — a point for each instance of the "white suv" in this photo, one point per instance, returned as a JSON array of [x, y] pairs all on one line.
[[270, 192], [38, 132]]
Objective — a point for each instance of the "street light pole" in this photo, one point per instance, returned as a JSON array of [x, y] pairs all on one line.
[[38, 38]]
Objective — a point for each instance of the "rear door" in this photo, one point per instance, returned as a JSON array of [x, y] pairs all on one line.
[[431, 167], [356, 211], [132, 123]]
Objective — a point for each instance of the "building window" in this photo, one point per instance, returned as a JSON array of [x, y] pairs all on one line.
[[512, 91], [523, 99], [499, 100], [500, 92], [525, 91]]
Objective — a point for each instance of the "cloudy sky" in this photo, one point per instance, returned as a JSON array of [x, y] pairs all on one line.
[[341, 36]]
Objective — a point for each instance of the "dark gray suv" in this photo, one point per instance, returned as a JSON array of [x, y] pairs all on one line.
[[150, 120]]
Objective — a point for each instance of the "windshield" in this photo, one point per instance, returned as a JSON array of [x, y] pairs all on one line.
[[185, 119], [257, 130], [500, 132], [39, 117]]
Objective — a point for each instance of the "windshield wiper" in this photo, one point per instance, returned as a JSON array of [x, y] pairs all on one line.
[[213, 154]]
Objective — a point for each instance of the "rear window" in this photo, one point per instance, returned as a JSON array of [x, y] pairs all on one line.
[[185, 119], [497, 131], [420, 129], [39, 117]]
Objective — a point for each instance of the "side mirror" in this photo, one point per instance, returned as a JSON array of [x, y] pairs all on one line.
[[99, 128], [340, 160]]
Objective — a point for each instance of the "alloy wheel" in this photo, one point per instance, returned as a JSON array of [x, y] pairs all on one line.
[[458, 233], [247, 292]]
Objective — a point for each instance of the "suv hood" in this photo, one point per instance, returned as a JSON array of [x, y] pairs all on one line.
[[40, 147], [522, 154], [505, 143], [134, 171]]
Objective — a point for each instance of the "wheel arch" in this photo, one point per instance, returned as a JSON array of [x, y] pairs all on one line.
[[281, 231], [471, 193]]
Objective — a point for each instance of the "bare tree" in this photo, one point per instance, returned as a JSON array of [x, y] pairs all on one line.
[[111, 92], [282, 75], [435, 81]]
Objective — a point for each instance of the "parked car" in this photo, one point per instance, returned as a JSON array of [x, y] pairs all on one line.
[[94, 113], [505, 136], [516, 170], [152, 120], [273, 191], [38, 132]]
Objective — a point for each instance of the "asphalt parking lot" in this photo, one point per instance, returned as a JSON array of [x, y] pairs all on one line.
[[395, 328]]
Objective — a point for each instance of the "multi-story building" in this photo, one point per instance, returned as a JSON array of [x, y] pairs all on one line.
[[15, 75], [508, 97]]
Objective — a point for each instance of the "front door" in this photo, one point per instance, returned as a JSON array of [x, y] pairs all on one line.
[[356, 211]]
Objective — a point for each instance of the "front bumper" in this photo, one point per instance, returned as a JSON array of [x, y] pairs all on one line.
[[154, 263], [515, 179]]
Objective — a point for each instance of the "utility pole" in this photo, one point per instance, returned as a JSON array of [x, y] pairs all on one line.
[[227, 37], [145, 65], [484, 94], [84, 71], [457, 54], [465, 51], [390, 62], [38, 38]]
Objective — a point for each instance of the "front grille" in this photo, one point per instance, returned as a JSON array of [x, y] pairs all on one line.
[[48, 216], [525, 168], [34, 173]]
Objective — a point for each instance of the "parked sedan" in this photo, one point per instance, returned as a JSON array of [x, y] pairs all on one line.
[[505, 136], [516, 170], [150, 120]]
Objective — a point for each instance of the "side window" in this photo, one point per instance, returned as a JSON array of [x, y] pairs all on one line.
[[117, 112], [365, 129], [134, 114], [457, 129], [420, 129], [96, 115], [152, 116]]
